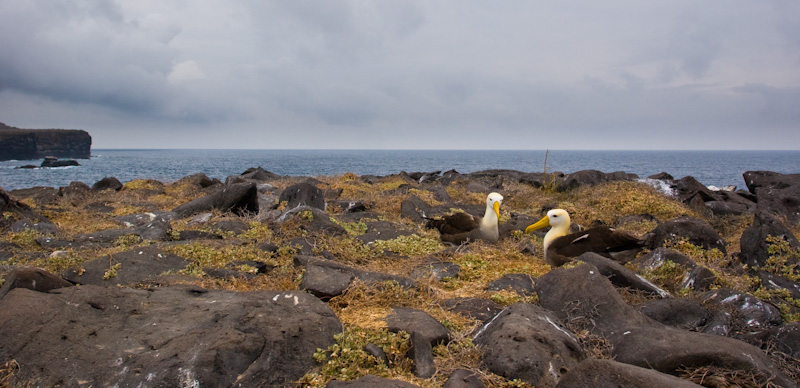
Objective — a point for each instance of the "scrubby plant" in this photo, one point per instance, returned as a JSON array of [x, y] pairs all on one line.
[[783, 259], [347, 360], [356, 228], [411, 245]]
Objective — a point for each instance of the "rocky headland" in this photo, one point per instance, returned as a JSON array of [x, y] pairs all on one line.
[[268, 280], [28, 144]]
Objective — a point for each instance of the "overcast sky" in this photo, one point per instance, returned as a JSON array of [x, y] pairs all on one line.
[[427, 74]]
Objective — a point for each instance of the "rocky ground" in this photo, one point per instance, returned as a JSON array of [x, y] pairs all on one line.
[[267, 280]]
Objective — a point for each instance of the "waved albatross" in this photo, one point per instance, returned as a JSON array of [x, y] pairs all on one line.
[[459, 228], [560, 245]]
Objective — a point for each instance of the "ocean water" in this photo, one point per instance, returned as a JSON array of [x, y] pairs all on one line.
[[717, 168]]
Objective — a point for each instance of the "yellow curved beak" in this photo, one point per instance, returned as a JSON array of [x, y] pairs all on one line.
[[497, 209], [538, 225]]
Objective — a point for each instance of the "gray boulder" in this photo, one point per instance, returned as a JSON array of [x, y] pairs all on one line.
[[753, 243], [370, 381], [462, 378], [638, 340], [157, 230], [241, 199], [611, 374], [327, 278], [750, 313], [35, 279], [528, 343], [520, 283], [683, 313], [313, 220], [107, 183], [417, 321], [425, 332], [695, 231], [163, 337], [43, 227], [126, 268], [200, 179], [621, 276], [776, 193], [302, 194], [476, 308], [415, 209]]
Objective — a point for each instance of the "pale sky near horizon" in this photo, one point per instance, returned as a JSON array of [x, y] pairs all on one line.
[[412, 74]]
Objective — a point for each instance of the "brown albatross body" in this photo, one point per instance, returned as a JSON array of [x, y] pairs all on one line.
[[560, 246], [459, 228]]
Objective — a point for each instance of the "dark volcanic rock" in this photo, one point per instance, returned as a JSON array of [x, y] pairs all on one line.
[[186, 235], [688, 188], [52, 161], [259, 174], [139, 219], [34, 279], [157, 230], [376, 352], [462, 378], [164, 337], [787, 339], [771, 281], [683, 313], [635, 339], [370, 381], [41, 195], [27, 144], [314, 220], [303, 194], [750, 312], [661, 176], [326, 281], [235, 226], [696, 231], [327, 278], [425, 332], [477, 308], [74, 188], [621, 276], [776, 193], [107, 183], [436, 270], [42, 227], [699, 279], [415, 208], [383, 230], [417, 321], [611, 374], [199, 179], [756, 180], [127, 268], [421, 353], [753, 243], [528, 343], [240, 198], [518, 282], [657, 257]]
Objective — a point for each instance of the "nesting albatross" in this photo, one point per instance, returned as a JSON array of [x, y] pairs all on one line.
[[459, 228], [560, 245]]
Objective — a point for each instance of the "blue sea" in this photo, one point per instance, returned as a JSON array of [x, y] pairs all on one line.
[[717, 168]]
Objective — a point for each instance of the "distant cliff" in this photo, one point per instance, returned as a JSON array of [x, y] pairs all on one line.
[[26, 144]]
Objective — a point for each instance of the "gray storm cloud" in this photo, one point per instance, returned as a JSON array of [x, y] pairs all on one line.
[[412, 74]]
